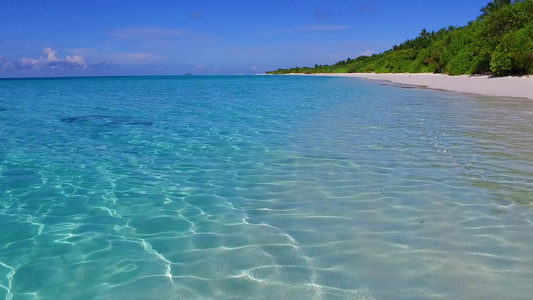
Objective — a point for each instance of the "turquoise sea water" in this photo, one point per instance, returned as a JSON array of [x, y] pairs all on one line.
[[262, 187]]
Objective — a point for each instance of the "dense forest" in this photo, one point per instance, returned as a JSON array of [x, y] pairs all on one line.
[[499, 42]]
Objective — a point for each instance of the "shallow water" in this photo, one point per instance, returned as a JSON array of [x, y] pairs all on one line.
[[262, 187]]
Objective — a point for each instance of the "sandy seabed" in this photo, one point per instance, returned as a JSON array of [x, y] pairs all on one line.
[[521, 87]]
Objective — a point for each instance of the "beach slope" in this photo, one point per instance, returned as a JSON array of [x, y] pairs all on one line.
[[521, 87]]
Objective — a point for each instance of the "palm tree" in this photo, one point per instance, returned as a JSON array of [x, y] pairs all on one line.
[[424, 33]]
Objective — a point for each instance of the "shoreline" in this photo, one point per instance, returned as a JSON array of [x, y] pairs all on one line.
[[516, 87]]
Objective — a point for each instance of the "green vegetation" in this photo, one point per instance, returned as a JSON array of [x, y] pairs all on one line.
[[499, 42]]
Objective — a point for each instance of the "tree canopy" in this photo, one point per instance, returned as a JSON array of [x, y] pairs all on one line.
[[499, 42]]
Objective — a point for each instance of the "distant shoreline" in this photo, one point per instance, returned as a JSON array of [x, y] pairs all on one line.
[[519, 87]]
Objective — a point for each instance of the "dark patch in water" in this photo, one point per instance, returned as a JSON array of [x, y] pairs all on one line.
[[3, 109], [105, 120]]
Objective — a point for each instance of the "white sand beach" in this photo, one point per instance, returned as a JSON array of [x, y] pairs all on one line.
[[521, 87]]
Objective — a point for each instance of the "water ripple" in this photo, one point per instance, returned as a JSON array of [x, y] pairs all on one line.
[[262, 187]]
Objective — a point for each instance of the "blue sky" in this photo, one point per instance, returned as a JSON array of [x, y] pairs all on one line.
[[119, 37]]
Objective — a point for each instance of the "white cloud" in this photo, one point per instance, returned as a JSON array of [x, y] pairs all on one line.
[[29, 62], [48, 61], [72, 62], [76, 59], [51, 54], [51, 60]]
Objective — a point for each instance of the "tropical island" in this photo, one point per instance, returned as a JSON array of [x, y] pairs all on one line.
[[498, 43]]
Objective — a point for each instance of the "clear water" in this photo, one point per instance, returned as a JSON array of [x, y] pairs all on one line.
[[262, 187]]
